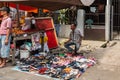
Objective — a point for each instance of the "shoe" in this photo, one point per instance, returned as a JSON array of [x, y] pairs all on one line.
[[42, 70]]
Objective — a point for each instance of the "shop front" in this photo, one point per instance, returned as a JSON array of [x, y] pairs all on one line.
[[94, 28], [116, 19]]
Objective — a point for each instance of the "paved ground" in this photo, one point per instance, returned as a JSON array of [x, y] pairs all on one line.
[[107, 67]]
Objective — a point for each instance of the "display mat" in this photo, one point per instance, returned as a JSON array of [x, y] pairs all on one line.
[[56, 66], [17, 69]]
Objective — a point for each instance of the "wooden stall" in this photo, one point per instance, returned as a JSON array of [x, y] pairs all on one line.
[[42, 23]]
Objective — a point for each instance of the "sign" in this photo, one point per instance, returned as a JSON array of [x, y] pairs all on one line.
[[87, 2], [47, 25]]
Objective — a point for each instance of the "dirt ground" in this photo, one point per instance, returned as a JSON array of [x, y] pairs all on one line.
[[106, 68]]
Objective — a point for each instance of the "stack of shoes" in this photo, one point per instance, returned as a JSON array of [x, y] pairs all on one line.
[[42, 70], [60, 65], [24, 67]]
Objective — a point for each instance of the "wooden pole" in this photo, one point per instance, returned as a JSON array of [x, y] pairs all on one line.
[[14, 41], [18, 15]]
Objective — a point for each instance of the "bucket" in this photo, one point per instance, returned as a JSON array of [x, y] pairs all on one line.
[[24, 53]]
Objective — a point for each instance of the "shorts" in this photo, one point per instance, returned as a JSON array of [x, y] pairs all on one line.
[[4, 49]]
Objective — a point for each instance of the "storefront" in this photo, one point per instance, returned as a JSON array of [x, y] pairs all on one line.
[[107, 16], [116, 19], [102, 20], [94, 28]]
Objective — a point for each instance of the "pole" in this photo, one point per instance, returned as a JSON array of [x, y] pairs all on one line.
[[42, 41], [18, 15], [112, 13], [107, 20], [80, 20], [108, 2], [14, 41]]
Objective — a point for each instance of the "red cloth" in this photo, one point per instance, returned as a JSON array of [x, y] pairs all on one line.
[[42, 70], [22, 7], [44, 23], [12, 46], [52, 39]]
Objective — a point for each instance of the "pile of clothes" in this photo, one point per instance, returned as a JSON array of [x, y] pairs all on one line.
[[56, 65]]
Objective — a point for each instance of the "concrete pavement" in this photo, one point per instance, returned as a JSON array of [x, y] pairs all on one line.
[[107, 67]]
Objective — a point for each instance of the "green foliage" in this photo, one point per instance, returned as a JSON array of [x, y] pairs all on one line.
[[62, 18]]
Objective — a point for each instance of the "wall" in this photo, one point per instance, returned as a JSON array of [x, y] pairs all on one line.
[[64, 31], [96, 33]]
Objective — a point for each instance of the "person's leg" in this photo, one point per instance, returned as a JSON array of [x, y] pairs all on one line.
[[1, 60], [5, 50], [0, 51], [77, 46], [67, 45]]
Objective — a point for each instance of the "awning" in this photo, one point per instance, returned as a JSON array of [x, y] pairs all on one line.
[[47, 4], [24, 7]]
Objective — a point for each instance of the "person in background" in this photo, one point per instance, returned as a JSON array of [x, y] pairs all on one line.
[[22, 20], [27, 23], [74, 39], [5, 35], [32, 15]]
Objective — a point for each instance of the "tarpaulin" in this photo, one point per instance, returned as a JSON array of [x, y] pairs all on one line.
[[47, 4], [24, 7]]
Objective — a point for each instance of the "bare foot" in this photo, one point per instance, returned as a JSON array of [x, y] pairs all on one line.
[[2, 65], [0, 61]]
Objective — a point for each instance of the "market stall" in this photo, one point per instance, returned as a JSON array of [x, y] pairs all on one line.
[[56, 64], [45, 4], [44, 23]]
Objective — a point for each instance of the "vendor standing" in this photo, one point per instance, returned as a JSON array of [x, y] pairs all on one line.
[[74, 39], [5, 35]]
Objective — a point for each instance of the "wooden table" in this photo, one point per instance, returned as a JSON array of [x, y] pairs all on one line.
[[15, 39], [22, 37]]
